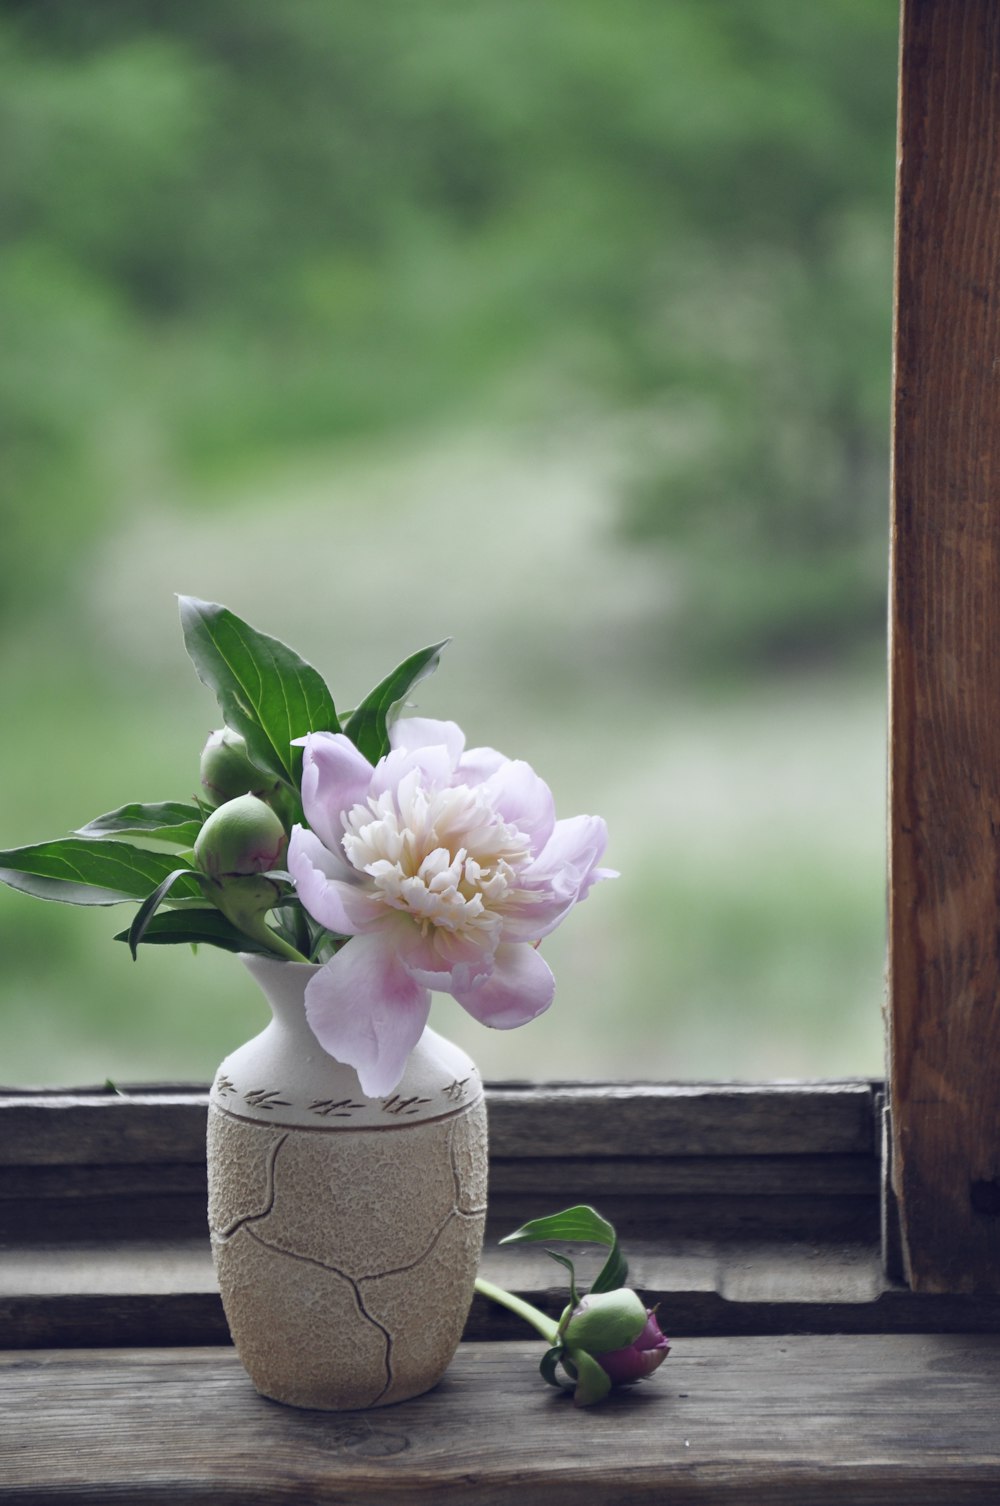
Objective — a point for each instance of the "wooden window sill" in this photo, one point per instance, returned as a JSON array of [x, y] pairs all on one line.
[[800, 1372], [799, 1419]]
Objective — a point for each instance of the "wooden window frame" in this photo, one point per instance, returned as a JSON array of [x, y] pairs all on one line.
[[944, 891], [748, 1211]]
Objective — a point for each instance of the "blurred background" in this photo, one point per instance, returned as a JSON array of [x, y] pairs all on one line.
[[562, 328]]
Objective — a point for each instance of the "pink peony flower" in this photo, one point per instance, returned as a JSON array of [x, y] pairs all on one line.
[[445, 868]]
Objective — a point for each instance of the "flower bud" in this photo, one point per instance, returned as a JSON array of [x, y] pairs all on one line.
[[241, 838], [638, 1359], [621, 1334], [605, 1321], [226, 769], [238, 844]]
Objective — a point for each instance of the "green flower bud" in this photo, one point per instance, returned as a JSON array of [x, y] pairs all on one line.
[[611, 1339], [606, 1321], [241, 838], [226, 769], [238, 844]]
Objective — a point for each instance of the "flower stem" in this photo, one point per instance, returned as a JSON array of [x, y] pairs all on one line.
[[274, 943], [284, 948], [545, 1326]]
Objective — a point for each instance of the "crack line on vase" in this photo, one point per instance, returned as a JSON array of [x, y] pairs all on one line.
[[456, 1173], [272, 1191], [324, 1265], [400, 1270]]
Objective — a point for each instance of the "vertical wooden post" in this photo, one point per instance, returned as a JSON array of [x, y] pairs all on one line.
[[944, 924]]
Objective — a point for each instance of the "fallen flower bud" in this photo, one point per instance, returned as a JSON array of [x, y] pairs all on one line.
[[604, 1316], [607, 1338], [610, 1339]]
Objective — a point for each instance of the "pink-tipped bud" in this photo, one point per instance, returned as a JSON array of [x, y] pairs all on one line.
[[640, 1358], [617, 1331], [241, 838]]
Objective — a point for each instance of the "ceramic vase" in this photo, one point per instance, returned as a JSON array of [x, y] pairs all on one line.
[[346, 1230]]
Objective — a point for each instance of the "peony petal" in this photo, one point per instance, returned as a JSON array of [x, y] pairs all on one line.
[[343, 907], [451, 977], [335, 778], [520, 987], [433, 763], [595, 876], [412, 732], [477, 764], [530, 919], [567, 864], [563, 874], [521, 798], [365, 1010]]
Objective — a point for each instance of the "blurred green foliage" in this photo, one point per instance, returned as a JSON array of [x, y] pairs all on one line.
[[654, 237], [238, 227]]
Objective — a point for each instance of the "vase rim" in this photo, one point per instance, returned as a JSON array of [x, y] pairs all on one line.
[[253, 960]]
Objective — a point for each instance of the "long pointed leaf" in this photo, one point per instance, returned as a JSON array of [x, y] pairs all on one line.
[[265, 690], [547, 1365], [195, 928], [80, 871], [168, 820], [564, 1260], [580, 1224], [368, 726], [148, 909]]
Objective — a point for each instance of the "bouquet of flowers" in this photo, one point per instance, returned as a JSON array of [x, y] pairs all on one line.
[[377, 845]]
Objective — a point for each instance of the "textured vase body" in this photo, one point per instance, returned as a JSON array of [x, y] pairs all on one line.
[[346, 1230]]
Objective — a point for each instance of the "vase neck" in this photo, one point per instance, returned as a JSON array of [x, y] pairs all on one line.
[[284, 1075], [283, 985]]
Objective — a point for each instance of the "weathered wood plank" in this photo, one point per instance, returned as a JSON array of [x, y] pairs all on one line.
[[684, 1119], [67, 1129], [802, 1421], [106, 1166], [135, 1292], [585, 1122], [945, 652], [571, 1178]]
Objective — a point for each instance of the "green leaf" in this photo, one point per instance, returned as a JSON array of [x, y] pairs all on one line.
[[593, 1383], [150, 905], [169, 820], [547, 1365], [194, 927], [579, 1224], [265, 691], [368, 726], [81, 871], [613, 1273], [564, 1260]]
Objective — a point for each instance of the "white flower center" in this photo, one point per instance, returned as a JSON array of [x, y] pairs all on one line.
[[444, 856]]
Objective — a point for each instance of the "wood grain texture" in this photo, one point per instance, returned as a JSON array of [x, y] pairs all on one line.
[[823, 1197], [877, 1422], [134, 1292], [586, 1121], [945, 651]]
